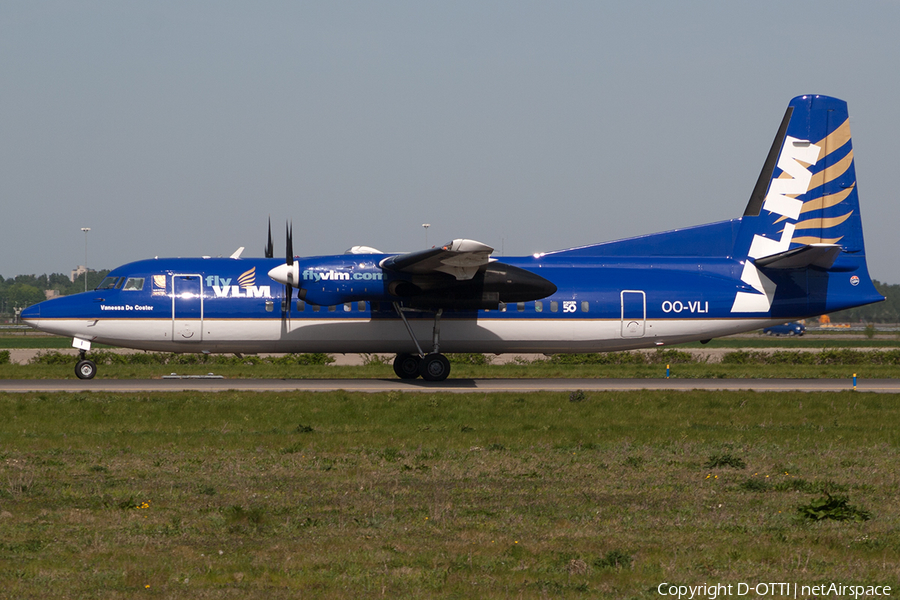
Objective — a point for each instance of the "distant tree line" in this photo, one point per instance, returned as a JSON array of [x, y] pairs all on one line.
[[882, 312], [24, 290]]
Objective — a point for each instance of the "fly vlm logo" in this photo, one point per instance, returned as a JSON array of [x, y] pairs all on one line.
[[781, 199], [246, 286]]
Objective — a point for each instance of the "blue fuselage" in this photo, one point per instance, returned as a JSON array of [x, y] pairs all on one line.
[[601, 303]]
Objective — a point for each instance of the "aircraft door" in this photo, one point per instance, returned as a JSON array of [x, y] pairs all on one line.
[[634, 313], [187, 308]]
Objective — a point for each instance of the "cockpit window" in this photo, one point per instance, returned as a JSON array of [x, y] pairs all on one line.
[[111, 283], [134, 284]]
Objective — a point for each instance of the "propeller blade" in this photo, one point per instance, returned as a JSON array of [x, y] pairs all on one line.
[[289, 287], [284, 274], [270, 249], [290, 244]]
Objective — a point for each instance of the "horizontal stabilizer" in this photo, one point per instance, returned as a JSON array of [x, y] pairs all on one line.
[[813, 255]]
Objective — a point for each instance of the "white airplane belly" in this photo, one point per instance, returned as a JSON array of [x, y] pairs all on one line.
[[389, 335]]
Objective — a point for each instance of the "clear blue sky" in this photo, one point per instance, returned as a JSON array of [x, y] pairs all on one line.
[[177, 128]]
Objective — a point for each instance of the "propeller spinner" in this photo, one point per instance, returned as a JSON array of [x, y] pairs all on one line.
[[288, 273]]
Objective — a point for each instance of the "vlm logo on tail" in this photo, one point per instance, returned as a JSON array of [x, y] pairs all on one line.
[[815, 177], [781, 199]]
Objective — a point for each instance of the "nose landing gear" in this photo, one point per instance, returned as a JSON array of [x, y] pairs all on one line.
[[84, 368]]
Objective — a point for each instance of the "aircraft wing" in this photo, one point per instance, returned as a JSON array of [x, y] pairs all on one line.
[[460, 258]]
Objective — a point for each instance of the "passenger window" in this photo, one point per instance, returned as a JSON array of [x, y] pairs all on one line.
[[332, 308], [270, 306], [301, 305], [134, 284], [347, 306], [538, 306], [361, 306], [554, 306], [502, 307], [584, 305], [520, 306], [316, 308]]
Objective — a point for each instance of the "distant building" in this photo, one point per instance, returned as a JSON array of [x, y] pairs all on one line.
[[51, 294], [78, 272]]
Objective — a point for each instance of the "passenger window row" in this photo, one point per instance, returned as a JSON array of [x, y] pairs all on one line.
[[137, 284], [568, 306]]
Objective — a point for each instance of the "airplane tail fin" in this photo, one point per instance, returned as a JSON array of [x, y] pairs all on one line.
[[801, 232]]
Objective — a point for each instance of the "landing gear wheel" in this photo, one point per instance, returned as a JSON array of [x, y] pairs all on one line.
[[434, 367], [85, 369], [406, 366]]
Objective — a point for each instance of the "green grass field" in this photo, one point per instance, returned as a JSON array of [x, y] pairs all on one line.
[[340, 495]]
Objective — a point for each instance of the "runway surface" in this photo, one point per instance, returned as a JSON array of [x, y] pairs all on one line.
[[451, 385]]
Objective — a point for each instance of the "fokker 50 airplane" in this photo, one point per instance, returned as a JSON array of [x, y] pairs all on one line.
[[796, 252]]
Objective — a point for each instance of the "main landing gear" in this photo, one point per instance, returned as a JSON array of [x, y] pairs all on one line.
[[431, 367]]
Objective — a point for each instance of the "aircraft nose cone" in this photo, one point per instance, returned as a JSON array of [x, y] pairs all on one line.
[[32, 312]]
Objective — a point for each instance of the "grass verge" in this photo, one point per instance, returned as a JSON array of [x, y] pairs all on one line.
[[464, 371], [831, 363]]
